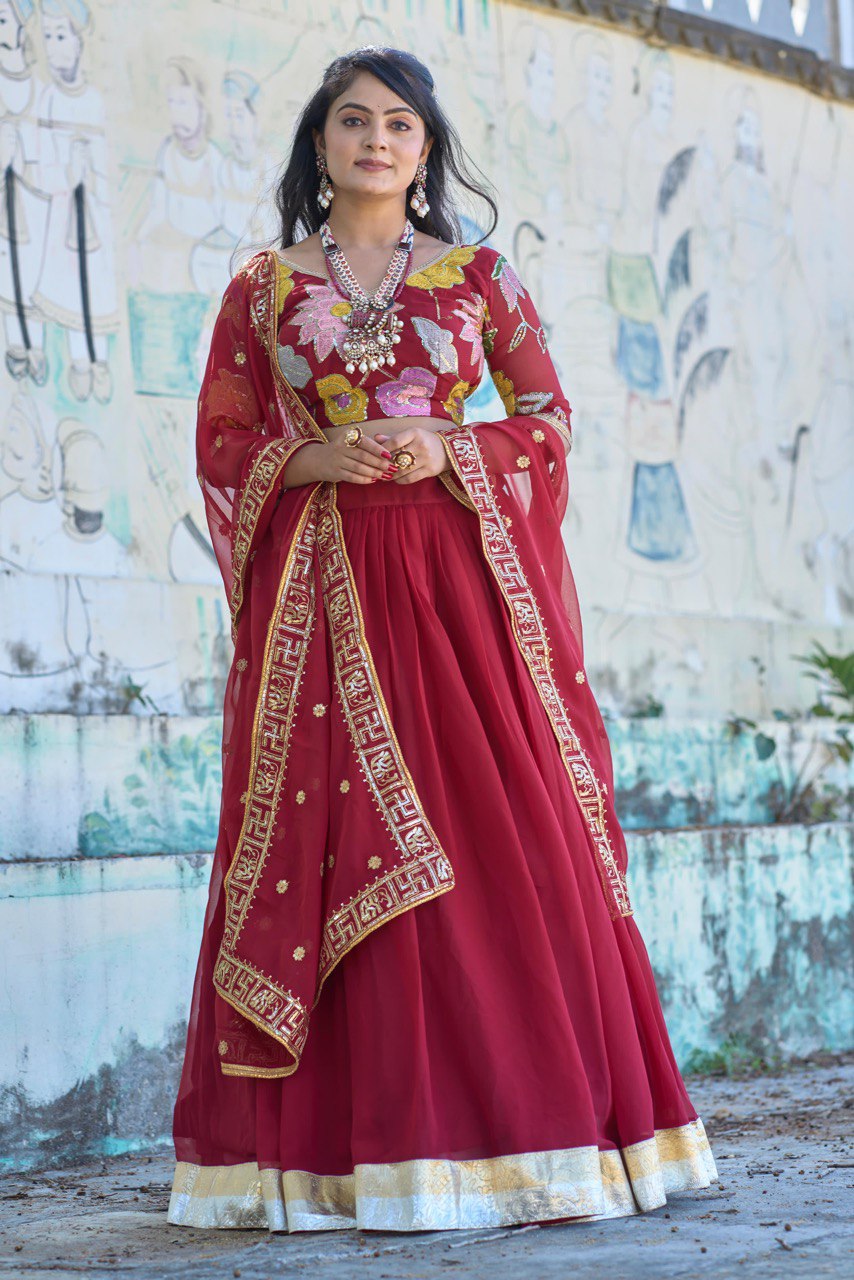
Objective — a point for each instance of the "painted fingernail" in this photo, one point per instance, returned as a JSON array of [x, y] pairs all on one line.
[[386, 453]]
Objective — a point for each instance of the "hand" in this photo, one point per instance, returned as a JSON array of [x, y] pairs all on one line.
[[363, 463], [430, 456]]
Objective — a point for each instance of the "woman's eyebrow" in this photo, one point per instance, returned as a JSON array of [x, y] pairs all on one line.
[[388, 111]]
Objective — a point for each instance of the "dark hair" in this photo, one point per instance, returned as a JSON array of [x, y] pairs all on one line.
[[296, 191]]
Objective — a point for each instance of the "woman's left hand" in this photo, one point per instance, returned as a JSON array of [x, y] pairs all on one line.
[[430, 456]]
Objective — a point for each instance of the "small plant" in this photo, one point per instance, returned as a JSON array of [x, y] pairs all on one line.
[[803, 799], [736, 1056], [134, 693], [650, 709]]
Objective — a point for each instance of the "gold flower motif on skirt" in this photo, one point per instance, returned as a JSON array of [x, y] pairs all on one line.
[[282, 886], [523, 461], [299, 952], [375, 861], [300, 797]]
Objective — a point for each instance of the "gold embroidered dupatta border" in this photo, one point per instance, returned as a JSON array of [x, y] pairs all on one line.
[[464, 453], [424, 871]]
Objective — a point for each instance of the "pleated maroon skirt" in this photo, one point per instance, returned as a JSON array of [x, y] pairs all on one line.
[[497, 1054]]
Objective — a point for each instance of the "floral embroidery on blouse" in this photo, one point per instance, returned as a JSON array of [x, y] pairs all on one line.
[[438, 343], [445, 273], [473, 313], [320, 316], [456, 316], [295, 367], [456, 401], [343, 403], [286, 280], [409, 395]]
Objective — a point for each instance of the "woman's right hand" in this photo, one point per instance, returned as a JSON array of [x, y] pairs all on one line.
[[359, 464]]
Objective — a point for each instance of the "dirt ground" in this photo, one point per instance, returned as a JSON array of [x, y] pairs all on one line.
[[783, 1208]]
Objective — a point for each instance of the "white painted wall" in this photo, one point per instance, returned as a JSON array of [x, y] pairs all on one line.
[[680, 222]]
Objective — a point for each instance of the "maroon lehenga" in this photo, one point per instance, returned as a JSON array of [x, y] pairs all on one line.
[[417, 784]]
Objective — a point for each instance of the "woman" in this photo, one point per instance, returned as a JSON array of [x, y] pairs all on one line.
[[407, 725]]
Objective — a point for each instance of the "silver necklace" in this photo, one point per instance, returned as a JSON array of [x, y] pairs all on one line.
[[373, 327]]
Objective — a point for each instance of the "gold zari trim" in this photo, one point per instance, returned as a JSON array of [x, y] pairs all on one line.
[[464, 453], [436, 1195]]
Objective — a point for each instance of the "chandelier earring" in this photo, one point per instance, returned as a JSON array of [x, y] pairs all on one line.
[[419, 195], [325, 191]]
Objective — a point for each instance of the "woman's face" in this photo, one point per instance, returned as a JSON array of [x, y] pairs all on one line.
[[370, 122]]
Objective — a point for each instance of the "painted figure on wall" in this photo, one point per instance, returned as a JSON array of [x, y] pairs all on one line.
[[23, 207], [183, 209], [76, 287]]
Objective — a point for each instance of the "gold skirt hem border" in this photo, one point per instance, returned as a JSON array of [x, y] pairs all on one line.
[[583, 1183]]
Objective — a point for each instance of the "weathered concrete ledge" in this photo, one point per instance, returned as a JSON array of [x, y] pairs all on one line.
[[748, 929], [151, 784]]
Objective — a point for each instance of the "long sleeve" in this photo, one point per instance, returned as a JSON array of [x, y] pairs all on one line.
[[535, 436], [513, 469], [240, 447]]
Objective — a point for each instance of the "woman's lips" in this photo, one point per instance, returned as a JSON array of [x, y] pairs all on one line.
[[368, 164]]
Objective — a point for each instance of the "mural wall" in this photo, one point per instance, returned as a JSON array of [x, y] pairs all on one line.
[[679, 222]]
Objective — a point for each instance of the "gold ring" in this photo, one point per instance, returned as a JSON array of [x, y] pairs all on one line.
[[353, 436], [403, 458]]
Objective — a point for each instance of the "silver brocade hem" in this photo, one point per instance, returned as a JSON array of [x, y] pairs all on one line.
[[437, 1195]]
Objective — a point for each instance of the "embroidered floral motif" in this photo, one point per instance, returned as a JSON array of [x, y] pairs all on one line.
[[299, 953], [285, 279], [244, 797], [438, 343], [295, 367], [320, 316], [579, 676], [300, 797], [222, 1047], [508, 282], [345, 786], [281, 886], [504, 387], [331, 860], [322, 867], [240, 357], [538, 435], [523, 461], [242, 664], [343, 403], [409, 395], [375, 861], [232, 396], [445, 273], [472, 312], [490, 333], [456, 401], [319, 708], [218, 442]]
